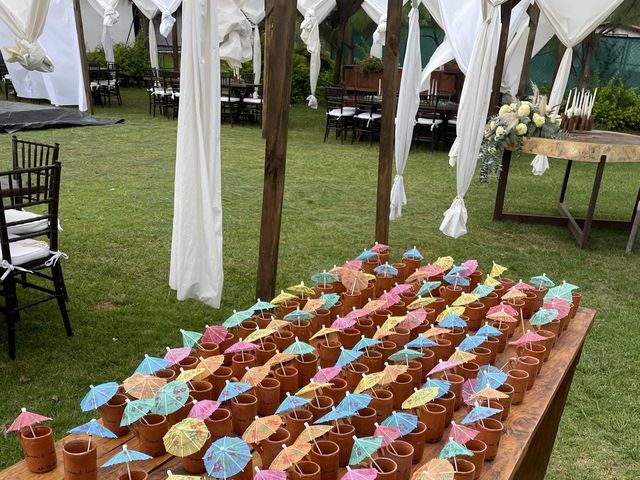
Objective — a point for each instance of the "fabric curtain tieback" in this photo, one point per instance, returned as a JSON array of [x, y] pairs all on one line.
[[166, 24], [10, 268], [55, 257], [111, 16], [30, 55]]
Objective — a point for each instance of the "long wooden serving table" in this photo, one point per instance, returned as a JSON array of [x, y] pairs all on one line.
[[590, 146], [525, 447]]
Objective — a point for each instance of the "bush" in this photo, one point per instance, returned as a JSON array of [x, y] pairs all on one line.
[[300, 79], [617, 107], [370, 65], [132, 61]]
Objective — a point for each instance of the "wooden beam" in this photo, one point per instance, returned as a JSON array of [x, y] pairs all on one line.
[[561, 49], [387, 122], [84, 63], [174, 44], [505, 18], [265, 71], [281, 27], [534, 15]]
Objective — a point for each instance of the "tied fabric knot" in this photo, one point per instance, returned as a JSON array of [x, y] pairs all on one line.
[[166, 24], [313, 101], [55, 257], [540, 165], [310, 34], [30, 55], [10, 268], [379, 37], [454, 223], [111, 16], [398, 197]]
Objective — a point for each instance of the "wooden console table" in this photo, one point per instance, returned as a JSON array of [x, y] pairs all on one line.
[[592, 147]]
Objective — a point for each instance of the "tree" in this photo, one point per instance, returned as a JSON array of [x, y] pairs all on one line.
[[347, 9]]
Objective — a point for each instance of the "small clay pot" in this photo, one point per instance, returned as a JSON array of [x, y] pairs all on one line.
[[219, 424], [283, 338], [168, 374], [493, 344], [479, 449], [468, 370], [400, 337], [178, 415], [295, 421], [264, 319], [366, 326], [412, 264], [434, 417], [342, 435], [402, 388], [401, 452], [353, 374], [456, 382], [305, 470], [272, 446], [219, 379], [415, 370], [518, 379], [529, 304], [372, 359], [246, 474], [194, 463], [490, 431], [387, 469], [80, 460], [417, 438], [456, 335], [112, 414], [448, 401], [307, 366], [483, 355], [349, 337], [320, 405], [555, 327], [337, 390], [428, 361], [386, 348], [265, 351], [382, 403], [207, 349], [398, 309], [548, 343], [301, 329], [327, 455], [383, 283], [200, 390], [443, 350], [323, 317], [246, 328], [363, 421], [535, 350], [338, 308], [350, 301], [474, 312], [465, 469], [475, 278], [490, 300], [268, 394], [575, 304], [150, 430], [135, 475], [329, 353], [449, 293], [244, 409], [506, 282], [506, 402], [187, 363], [288, 378], [380, 316], [240, 362], [518, 305], [530, 365]]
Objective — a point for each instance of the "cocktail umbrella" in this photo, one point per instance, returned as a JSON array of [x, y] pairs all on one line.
[[92, 428], [405, 422], [388, 434], [364, 447], [482, 290], [259, 334], [488, 331], [382, 333], [353, 280], [421, 342], [170, 398], [175, 355], [173, 476], [405, 354], [215, 334], [450, 311], [561, 291], [558, 304], [465, 299], [471, 341], [543, 317], [413, 253], [360, 474], [444, 262], [373, 305], [461, 356], [324, 277], [227, 457], [390, 299], [391, 322], [457, 279], [479, 413], [434, 331], [386, 270], [126, 456], [436, 469], [186, 437], [98, 396], [462, 434], [523, 286], [497, 270], [365, 343], [134, 410], [330, 299], [311, 432], [301, 290], [392, 372], [470, 266], [203, 408], [261, 306], [289, 456], [277, 325], [299, 348], [211, 364], [262, 428], [312, 387], [353, 402], [241, 346], [421, 302], [326, 374], [400, 288], [190, 339], [298, 315], [514, 294], [443, 366], [488, 393], [414, 319], [501, 316], [379, 247], [270, 474], [452, 321], [503, 307], [27, 419], [139, 385], [491, 282], [232, 389], [334, 415], [492, 376], [368, 382], [427, 287], [150, 365], [291, 402], [279, 359], [312, 305], [237, 318], [416, 276], [340, 323], [324, 332], [453, 449], [192, 374], [434, 269], [357, 313], [347, 356], [255, 375], [283, 297], [542, 281], [420, 397], [442, 385], [528, 337], [469, 389]]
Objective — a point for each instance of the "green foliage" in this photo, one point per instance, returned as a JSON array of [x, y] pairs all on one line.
[[617, 107], [132, 61], [370, 65], [300, 77], [97, 56]]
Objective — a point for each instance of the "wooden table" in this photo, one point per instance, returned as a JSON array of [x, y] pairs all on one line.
[[592, 147], [525, 448]]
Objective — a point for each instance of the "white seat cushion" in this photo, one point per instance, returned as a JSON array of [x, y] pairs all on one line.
[[453, 121], [25, 251], [369, 116], [229, 99], [254, 101], [429, 121], [344, 113], [13, 215]]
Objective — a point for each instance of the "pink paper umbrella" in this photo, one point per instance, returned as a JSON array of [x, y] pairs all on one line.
[[353, 264], [528, 337], [360, 474], [399, 288], [175, 355], [562, 306], [503, 307], [388, 434], [203, 408], [443, 366], [431, 270], [214, 334], [357, 313], [270, 474], [326, 374], [462, 434], [414, 319], [26, 419], [522, 286], [390, 299], [469, 388], [379, 248], [341, 323], [241, 347], [470, 266]]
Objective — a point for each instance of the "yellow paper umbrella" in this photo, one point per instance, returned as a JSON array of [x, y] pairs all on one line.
[[461, 356], [284, 297], [392, 322], [514, 294], [193, 374], [173, 476], [311, 388], [465, 299], [369, 381], [324, 331], [369, 276], [289, 456], [421, 302], [420, 397], [262, 428], [256, 375], [186, 437], [497, 270], [302, 290], [279, 358], [391, 373], [373, 305], [488, 393], [259, 334], [211, 364], [313, 304], [381, 333], [311, 432], [143, 386], [436, 469], [448, 311], [276, 324], [444, 262], [434, 332], [492, 282]]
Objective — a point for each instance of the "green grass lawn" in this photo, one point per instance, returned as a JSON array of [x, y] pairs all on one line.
[[116, 210]]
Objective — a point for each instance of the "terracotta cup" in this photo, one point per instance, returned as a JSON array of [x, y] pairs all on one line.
[[288, 378], [327, 455], [465, 470], [506, 402], [402, 454], [434, 416], [307, 366], [244, 409], [268, 394], [150, 430], [320, 405], [387, 469], [219, 379], [112, 414], [535, 350], [363, 421], [295, 421], [548, 343], [490, 432], [448, 401], [329, 353], [134, 475], [518, 379], [417, 438], [479, 449], [306, 470], [337, 390], [382, 403], [342, 435], [272, 446], [219, 424], [194, 463], [401, 388], [530, 365], [80, 460]]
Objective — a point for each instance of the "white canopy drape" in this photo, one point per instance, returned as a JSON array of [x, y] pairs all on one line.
[[314, 12], [408, 103], [234, 33], [377, 11], [150, 10], [167, 7], [572, 21], [196, 245], [254, 11], [26, 20], [109, 14]]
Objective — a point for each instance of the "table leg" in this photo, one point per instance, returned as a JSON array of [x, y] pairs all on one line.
[[534, 464], [586, 228], [502, 185], [565, 181]]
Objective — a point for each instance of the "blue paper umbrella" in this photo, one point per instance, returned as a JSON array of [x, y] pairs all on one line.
[[405, 422], [561, 291], [452, 321], [189, 338], [366, 255], [260, 306], [232, 390], [492, 376], [298, 314], [348, 356], [299, 348], [227, 457], [134, 410], [442, 385], [237, 318], [98, 396], [94, 428], [542, 281], [363, 448], [471, 341], [170, 398], [334, 415], [150, 365], [488, 331], [427, 287], [324, 278], [291, 402], [478, 413], [126, 456], [353, 402], [457, 279], [405, 354], [386, 269], [330, 299], [421, 342], [544, 316], [482, 290], [413, 253], [453, 449], [365, 342]]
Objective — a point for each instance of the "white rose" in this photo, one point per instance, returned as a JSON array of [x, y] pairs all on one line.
[[521, 129], [524, 110], [500, 132], [538, 120], [504, 109], [492, 125]]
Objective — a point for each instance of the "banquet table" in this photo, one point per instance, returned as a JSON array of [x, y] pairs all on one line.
[[525, 447], [594, 146]]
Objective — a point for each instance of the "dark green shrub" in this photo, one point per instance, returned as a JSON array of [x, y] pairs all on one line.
[[617, 107], [370, 65], [132, 61]]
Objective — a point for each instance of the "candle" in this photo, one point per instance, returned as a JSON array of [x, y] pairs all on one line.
[[379, 86], [436, 88], [593, 100], [566, 106]]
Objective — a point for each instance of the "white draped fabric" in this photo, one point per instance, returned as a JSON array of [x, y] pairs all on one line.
[[64, 85], [26, 20], [314, 12], [572, 21], [461, 20], [443, 54], [472, 113], [167, 7], [196, 245], [107, 9], [254, 11], [377, 11], [150, 10], [257, 60], [408, 103], [234, 33]]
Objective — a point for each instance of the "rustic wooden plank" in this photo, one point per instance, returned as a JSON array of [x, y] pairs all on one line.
[[534, 14], [505, 18], [84, 64]]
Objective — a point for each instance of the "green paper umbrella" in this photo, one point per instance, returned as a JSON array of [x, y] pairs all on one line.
[[363, 448]]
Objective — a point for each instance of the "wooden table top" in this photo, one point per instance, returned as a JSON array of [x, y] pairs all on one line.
[[521, 425], [587, 146]]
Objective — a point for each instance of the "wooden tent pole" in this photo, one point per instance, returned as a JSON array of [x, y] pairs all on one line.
[[387, 123], [505, 18], [84, 63], [174, 45], [280, 23], [534, 15]]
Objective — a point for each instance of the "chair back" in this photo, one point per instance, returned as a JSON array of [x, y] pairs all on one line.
[[365, 102], [27, 154], [335, 97], [428, 107]]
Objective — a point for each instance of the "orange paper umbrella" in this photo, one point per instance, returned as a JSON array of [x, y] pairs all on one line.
[[501, 316], [276, 324], [256, 375], [313, 304], [460, 356], [354, 281], [143, 386], [311, 432], [417, 275], [211, 364], [434, 332], [514, 294], [391, 373], [380, 333], [436, 469], [488, 393], [279, 358], [262, 428], [373, 305], [289, 456]]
